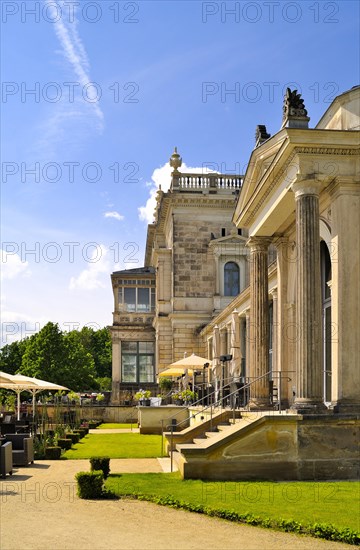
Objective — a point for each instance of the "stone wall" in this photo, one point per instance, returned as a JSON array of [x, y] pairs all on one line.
[[281, 448]]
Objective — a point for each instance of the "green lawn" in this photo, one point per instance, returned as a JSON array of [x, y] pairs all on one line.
[[305, 502], [117, 426], [123, 445]]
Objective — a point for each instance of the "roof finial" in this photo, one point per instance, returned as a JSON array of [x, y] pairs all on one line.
[[175, 161]]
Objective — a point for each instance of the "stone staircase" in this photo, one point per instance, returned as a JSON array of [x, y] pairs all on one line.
[[257, 445], [204, 427]]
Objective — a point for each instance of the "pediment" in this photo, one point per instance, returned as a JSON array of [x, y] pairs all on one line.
[[229, 239]]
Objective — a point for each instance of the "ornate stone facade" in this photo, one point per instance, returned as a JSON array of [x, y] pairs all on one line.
[[289, 230]]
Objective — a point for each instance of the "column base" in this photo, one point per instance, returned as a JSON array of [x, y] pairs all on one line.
[[260, 403], [345, 408], [309, 407]]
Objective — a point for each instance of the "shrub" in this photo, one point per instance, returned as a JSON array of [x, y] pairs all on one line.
[[74, 437], [90, 484], [100, 463], [82, 431], [64, 444], [93, 424], [79, 433], [53, 453]]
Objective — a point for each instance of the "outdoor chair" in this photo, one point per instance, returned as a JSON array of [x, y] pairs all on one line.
[[7, 426], [6, 461], [22, 449]]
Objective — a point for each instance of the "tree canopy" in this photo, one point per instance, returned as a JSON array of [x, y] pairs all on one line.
[[79, 360]]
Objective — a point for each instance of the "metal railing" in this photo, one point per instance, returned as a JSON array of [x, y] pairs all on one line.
[[219, 403]]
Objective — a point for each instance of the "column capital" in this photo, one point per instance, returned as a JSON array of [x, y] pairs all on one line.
[[274, 293], [280, 241], [343, 185], [306, 186], [259, 244]]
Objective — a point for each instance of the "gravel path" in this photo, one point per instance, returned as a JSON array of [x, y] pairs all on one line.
[[39, 510]]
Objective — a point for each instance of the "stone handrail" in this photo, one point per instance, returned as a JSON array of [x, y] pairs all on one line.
[[204, 182]]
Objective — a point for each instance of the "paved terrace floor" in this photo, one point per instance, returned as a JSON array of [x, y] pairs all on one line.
[[39, 510]]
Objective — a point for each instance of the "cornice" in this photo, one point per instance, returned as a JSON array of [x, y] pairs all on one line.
[[271, 184]]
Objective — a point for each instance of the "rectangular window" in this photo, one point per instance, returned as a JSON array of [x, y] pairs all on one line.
[[139, 299], [138, 362], [143, 299], [130, 299]]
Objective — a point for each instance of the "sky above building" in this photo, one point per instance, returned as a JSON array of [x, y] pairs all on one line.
[[96, 94]]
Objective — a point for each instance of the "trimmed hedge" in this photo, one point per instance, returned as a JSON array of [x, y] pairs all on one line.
[[64, 444], [100, 463], [90, 484], [52, 453], [75, 438]]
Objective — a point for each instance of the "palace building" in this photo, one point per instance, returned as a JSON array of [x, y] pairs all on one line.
[[265, 267]]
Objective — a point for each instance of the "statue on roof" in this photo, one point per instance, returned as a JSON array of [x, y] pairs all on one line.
[[294, 112]]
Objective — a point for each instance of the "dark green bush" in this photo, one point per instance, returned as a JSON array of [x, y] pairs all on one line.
[[93, 424], [53, 453], [100, 463], [83, 432], [74, 437], [64, 444], [79, 434], [90, 484]]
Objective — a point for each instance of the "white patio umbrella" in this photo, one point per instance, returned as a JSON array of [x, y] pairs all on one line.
[[216, 367], [19, 383], [235, 365]]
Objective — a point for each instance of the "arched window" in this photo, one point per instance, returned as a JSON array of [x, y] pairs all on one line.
[[231, 279]]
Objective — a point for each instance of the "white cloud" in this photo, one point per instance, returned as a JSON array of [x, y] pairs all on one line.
[[12, 266], [16, 325], [162, 177], [94, 276], [114, 215], [74, 51]]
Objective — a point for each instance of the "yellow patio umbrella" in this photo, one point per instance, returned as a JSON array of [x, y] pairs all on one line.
[[191, 362], [173, 372]]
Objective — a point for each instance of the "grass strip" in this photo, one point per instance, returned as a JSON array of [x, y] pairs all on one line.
[[323, 510], [120, 445], [117, 426], [318, 530]]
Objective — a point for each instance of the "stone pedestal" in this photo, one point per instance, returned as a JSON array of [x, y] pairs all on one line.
[[259, 322], [308, 299]]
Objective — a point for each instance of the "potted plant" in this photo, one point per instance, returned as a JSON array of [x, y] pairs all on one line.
[[143, 396], [188, 396]]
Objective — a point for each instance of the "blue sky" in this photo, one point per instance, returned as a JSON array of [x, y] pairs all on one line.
[[115, 86]]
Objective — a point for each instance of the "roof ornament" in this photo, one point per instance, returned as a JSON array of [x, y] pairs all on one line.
[[294, 112], [175, 161], [261, 135]]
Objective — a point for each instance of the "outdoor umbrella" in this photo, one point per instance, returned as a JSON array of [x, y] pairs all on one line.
[[216, 367], [19, 383], [235, 351], [191, 362], [174, 372]]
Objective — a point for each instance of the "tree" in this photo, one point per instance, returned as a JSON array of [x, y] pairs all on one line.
[[59, 358], [11, 356]]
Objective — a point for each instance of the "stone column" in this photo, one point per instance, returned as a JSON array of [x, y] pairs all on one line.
[[247, 344], [116, 369], [345, 293], [259, 321], [275, 325], [308, 298]]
